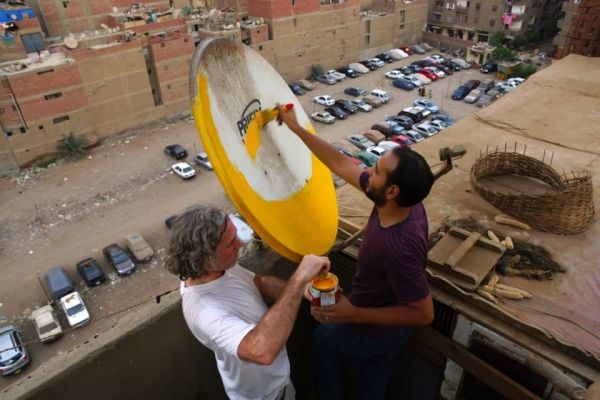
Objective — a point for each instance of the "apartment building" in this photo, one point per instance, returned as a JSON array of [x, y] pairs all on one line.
[[579, 29], [465, 22]]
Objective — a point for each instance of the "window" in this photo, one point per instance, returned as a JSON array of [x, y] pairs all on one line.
[[41, 127], [439, 4], [65, 3], [52, 96], [61, 119], [367, 40], [22, 130], [9, 133], [402, 19], [477, 6], [492, 22], [33, 42], [494, 8]]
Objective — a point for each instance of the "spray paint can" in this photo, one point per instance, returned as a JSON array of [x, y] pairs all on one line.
[[324, 290]]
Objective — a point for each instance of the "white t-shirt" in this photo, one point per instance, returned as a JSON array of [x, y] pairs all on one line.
[[219, 314]]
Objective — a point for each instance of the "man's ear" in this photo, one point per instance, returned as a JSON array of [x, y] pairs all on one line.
[[392, 191]]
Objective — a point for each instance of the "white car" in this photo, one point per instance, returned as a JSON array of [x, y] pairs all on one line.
[[462, 63], [507, 86], [358, 67], [438, 72], [473, 96], [518, 81], [77, 314], [397, 54], [378, 151], [437, 58], [412, 79], [423, 110], [425, 80], [324, 100], [46, 324], [394, 74], [438, 124], [425, 129], [323, 116], [361, 105], [387, 144], [414, 135], [203, 161], [338, 76], [184, 170], [377, 62]]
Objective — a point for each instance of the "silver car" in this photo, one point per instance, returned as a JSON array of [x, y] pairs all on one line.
[[360, 141], [14, 356]]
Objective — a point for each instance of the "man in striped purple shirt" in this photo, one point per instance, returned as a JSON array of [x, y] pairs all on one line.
[[390, 294]]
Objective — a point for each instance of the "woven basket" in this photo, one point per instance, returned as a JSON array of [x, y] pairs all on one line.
[[567, 210]]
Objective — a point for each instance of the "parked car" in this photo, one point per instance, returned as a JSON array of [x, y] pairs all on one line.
[[119, 259], [438, 58], [202, 160], [428, 74], [443, 117], [414, 68], [516, 80], [486, 85], [360, 141], [349, 72], [402, 139], [473, 96], [91, 272], [338, 76], [454, 65], [388, 145], [394, 74], [324, 100], [438, 124], [326, 79], [176, 151], [355, 91], [296, 89], [369, 64], [407, 50], [403, 84], [374, 135], [75, 310], [461, 63], [183, 170], [305, 84], [385, 57], [484, 100], [424, 80], [489, 67], [404, 70], [415, 136], [323, 116], [428, 104], [414, 113], [350, 155], [337, 112], [139, 248], [361, 105], [422, 63], [423, 110], [418, 49], [383, 128], [447, 70], [460, 92], [58, 282], [366, 157], [381, 95], [506, 86], [15, 357], [378, 151], [397, 54], [425, 129], [426, 46], [372, 100], [378, 63], [472, 84], [358, 67], [403, 120], [438, 72], [46, 324], [395, 127], [412, 79], [346, 106]]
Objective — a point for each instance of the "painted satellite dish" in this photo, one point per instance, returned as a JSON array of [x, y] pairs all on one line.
[[279, 187]]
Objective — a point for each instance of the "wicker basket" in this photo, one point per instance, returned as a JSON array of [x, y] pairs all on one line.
[[567, 210]]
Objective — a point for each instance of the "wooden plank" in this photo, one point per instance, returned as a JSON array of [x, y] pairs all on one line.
[[474, 365]]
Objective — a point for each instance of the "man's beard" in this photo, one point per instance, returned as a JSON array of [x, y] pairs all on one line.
[[377, 196]]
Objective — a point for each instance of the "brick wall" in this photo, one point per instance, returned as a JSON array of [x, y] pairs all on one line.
[[272, 9], [584, 33]]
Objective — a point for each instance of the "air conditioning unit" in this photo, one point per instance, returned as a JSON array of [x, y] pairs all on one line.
[[514, 361]]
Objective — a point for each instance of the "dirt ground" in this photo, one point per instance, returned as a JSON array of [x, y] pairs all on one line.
[[71, 210]]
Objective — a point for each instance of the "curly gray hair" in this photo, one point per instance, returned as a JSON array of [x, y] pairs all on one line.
[[194, 240]]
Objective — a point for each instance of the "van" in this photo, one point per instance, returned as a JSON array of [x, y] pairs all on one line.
[[381, 95], [58, 282]]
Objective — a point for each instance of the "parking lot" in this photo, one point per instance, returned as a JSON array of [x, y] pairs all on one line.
[[441, 91]]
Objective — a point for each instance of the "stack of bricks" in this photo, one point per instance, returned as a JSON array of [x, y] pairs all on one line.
[[584, 35]]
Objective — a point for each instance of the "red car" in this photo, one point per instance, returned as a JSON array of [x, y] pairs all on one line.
[[428, 74], [402, 140], [406, 49]]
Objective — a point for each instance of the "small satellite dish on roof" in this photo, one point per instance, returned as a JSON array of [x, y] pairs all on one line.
[[104, 26], [70, 42]]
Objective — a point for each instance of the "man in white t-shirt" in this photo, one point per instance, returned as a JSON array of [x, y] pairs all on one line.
[[224, 308]]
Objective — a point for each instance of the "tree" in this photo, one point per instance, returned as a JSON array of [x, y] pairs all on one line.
[[503, 54], [315, 70], [72, 146], [525, 70], [497, 39]]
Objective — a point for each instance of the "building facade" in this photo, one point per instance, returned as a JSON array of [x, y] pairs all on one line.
[[579, 29]]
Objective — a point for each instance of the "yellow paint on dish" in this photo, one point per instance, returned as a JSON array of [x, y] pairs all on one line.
[[304, 223], [253, 131]]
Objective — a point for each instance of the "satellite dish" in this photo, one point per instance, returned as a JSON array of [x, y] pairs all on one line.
[[104, 26], [279, 187], [70, 42]]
